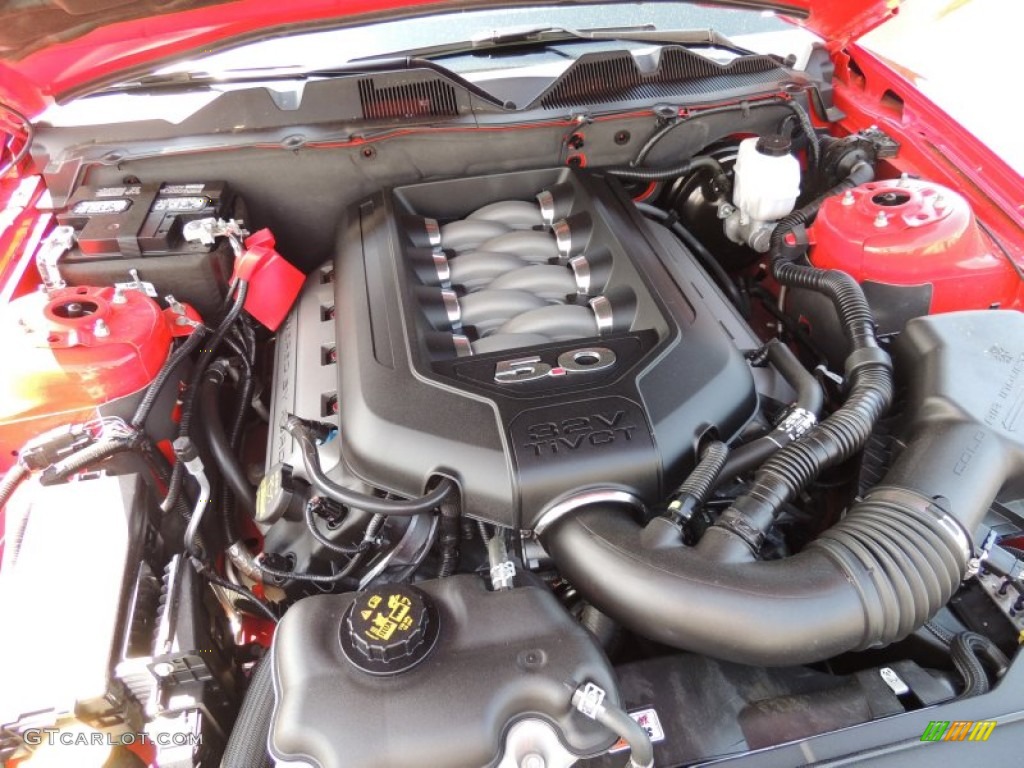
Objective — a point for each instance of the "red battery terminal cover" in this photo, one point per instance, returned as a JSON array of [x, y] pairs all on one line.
[[274, 283]]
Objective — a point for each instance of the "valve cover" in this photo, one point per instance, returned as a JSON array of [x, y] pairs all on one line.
[[528, 351]]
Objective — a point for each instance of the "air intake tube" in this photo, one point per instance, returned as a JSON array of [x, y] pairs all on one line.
[[886, 568]]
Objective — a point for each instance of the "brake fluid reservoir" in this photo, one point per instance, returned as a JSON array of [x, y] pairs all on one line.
[[765, 188]]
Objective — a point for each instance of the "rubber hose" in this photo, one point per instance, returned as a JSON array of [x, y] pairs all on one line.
[[247, 745], [350, 498], [809, 395], [451, 511], [698, 163], [843, 433], [888, 566], [192, 393], [809, 398], [246, 386], [695, 489], [967, 650], [218, 442], [618, 721], [742, 107], [13, 478], [166, 371]]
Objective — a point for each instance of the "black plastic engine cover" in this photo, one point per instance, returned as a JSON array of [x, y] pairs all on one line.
[[499, 657], [516, 450]]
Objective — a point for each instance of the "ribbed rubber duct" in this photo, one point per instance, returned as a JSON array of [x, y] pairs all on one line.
[[894, 560]]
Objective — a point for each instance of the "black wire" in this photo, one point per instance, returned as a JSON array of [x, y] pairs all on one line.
[[309, 514], [314, 578], [30, 133], [192, 395], [796, 109], [349, 498], [262, 608]]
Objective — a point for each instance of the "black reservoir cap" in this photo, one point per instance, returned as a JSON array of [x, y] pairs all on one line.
[[775, 145], [389, 629]]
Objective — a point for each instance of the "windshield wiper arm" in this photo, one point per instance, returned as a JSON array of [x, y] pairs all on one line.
[[515, 38], [190, 80]]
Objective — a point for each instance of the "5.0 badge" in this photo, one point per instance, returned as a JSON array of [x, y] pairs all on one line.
[[571, 363]]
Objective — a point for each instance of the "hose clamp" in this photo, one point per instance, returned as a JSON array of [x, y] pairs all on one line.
[[452, 309], [581, 271], [433, 231], [563, 237], [588, 700], [597, 496], [546, 201], [444, 270], [797, 423], [603, 314]]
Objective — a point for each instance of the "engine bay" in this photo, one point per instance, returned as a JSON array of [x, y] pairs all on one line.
[[673, 440]]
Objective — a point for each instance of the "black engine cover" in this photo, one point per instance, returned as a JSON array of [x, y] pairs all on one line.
[[516, 449]]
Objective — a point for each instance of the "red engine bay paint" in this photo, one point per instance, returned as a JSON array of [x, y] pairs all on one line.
[[274, 283], [75, 350], [909, 232]]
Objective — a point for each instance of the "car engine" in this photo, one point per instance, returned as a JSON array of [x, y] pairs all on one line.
[[520, 463]]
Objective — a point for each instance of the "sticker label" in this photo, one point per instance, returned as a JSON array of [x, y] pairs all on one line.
[[649, 721], [117, 191], [181, 189]]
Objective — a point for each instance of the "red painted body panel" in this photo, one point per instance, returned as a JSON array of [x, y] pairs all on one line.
[[933, 145], [910, 233], [58, 370]]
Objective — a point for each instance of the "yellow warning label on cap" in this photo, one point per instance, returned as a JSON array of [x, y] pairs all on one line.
[[393, 617]]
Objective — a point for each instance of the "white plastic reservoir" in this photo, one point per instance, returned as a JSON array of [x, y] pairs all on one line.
[[767, 179]]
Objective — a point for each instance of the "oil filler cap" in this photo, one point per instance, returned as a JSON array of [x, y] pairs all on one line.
[[389, 629]]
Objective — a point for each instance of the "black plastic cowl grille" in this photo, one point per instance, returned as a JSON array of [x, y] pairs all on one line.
[[602, 76], [424, 98]]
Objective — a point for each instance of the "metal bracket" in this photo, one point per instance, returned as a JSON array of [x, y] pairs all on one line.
[[49, 254], [206, 231], [137, 284], [503, 575]]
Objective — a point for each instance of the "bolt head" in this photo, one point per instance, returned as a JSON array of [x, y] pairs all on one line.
[[881, 220]]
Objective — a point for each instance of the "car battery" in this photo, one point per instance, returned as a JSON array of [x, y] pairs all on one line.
[[132, 233]]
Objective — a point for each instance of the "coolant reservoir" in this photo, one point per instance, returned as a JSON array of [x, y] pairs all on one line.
[[765, 188]]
